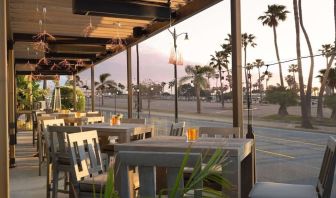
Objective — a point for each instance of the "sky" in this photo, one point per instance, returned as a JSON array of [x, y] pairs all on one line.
[[208, 29]]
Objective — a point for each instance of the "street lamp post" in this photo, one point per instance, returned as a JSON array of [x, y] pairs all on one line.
[[175, 36], [115, 103], [149, 101]]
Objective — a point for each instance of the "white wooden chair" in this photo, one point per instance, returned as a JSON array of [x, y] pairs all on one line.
[[322, 190], [134, 121], [147, 163], [219, 132], [94, 119], [86, 163], [177, 129]]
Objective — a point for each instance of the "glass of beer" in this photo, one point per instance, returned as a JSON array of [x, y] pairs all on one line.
[[192, 135], [113, 120]]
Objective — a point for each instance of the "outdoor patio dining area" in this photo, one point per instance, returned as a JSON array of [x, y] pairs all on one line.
[[61, 141]]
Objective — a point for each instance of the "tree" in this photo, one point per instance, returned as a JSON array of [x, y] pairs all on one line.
[[291, 82], [305, 121], [330, 102], [163, 84], [331, 80], [315, 90], [258, 64], [272, 17], [327, 51], [311, 71], [104, 84], [293, 68], [281, 96], [219, 62], [171, 84], [67, 98], [247, 40], [186, 90], [196, 75]]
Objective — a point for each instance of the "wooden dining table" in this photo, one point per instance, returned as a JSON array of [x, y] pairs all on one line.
[[124, 131], [239, 152]]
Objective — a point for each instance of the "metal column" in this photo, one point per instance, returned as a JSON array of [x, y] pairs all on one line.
[[129, 82], [237, 66], [92, 89], [4, 162]]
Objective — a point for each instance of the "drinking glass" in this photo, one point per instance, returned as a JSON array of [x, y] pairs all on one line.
[[192, 135]]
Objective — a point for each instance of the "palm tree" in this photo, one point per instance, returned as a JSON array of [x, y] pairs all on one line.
[[258, 64], [327, 51], [209, 75], [304, 112], [104, 84], [331, 81], [219, 62], [272, 17], [247, 40], [171, 84], [196, 75], [311, 71], [293, 68]]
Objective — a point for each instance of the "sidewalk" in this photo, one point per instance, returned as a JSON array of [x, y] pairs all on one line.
[[209, 117]]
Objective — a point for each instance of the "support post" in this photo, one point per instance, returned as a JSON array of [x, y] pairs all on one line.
[[92, 89], [74, 91], [237, 66], [11, 103], [138, 81], [4, 162], [129, 82]]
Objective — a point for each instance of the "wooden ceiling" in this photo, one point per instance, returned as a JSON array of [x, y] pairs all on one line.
[[68, 29]]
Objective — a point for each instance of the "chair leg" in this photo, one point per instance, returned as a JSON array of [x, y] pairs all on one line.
[[55, 177], [34, 128], [48, 178], [66, 181], [40, 154]]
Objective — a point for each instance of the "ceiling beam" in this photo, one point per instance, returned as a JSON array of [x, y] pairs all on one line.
[[76, 48], [122, 9], [70, 55], [61, 39], [35, 61], [45, 72]]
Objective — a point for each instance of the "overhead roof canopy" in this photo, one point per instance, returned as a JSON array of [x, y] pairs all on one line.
[[115, 25]]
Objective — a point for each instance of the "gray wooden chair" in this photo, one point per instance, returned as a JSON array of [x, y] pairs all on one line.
[[45, 143], [219, 132], [60, 157], [147, 162], [322, 190], [86, 164], [177, 129]]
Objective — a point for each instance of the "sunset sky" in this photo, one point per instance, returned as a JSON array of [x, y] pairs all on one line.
[[207, 31]]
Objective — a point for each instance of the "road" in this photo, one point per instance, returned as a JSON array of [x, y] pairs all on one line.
[[290, 156]]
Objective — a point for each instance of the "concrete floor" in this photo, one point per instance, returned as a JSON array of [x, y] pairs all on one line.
[[24, 179]]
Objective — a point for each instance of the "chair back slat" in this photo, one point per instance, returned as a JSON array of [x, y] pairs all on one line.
[[133, 121], [60, 134], [219, 132], [94, 119], [51, 142], [93, 114], [85, 153], [147, 163], [326, 176], [177, 129]]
